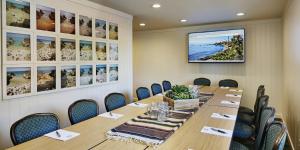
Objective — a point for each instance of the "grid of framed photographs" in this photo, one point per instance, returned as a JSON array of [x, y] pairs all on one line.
[[48, 50]]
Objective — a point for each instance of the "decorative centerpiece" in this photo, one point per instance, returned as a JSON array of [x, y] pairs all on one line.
[[182, 97]]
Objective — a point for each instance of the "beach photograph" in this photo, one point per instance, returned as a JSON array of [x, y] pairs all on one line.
[[101, 73], [113, 31], [101, 51], [100, 28], [113, 72], [45, 18], [86, 74], [68, 49], [113, 52], [18, 13], [67, 22], [214, 46], [18, 80], [86, 52], [46, 48], [46, 78], [85, 25], [68, 76], [18, 47]]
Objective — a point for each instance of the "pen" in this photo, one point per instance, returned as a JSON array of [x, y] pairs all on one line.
[[110, 113], [57, 133], [220, 131]]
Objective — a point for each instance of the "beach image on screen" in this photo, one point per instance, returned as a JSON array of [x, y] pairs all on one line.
[[113, 72], [100, 27], [86, 74], [68, 50], [86, 52], [218, 46], [85, 26], [68, 76], [46, 48], [18, 47], [101, 73], [67, 22], [46, 78], [113, 52], [18, 80], [18, 13], [101, 51], [45, 18]]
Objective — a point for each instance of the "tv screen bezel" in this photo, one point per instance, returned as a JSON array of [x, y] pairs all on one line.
[[229, 61]]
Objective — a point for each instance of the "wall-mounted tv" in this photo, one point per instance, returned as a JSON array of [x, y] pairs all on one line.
[[217, 46]]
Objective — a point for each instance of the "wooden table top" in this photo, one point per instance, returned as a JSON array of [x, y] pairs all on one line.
[[189, 136]]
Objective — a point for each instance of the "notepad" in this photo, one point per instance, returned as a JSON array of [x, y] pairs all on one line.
[[230, 102], [223, 116], [233, 95], [217, 131], [112, 116], [224, 87], [140, 105], [235, 90], [62, 135]]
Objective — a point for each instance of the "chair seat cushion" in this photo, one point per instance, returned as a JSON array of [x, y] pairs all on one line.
[[246, 110], [237, 146], [243, 131], [245, 118]]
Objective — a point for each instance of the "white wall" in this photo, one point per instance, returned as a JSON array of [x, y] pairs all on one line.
[[162, 54], [58, 103], [292, 68]]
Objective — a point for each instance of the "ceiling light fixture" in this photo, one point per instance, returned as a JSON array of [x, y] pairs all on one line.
[[183, 20], [142, 24], [156, 5], [240, 14]]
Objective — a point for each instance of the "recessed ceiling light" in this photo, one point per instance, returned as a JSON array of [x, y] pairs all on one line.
[[183, 20], [142, 24], [156, 5], [240, 14]]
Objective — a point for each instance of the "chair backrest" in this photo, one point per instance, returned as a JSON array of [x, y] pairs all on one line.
[[33, 126], [156, 88], [114, 101], [228, 83], [260, 92], [142, 93], [82, 110], [202, 81], [275, 136], [267, 117], [262, 104], [166, 85]]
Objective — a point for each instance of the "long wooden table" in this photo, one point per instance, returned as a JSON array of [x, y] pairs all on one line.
[[189, 136]]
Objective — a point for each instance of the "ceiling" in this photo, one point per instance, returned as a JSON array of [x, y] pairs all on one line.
[[195, 11]]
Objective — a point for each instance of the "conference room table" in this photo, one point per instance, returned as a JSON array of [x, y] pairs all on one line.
[[188, 137]]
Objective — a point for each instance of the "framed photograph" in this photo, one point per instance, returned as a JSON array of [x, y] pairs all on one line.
[[45, 18], [18, 13], [68, 49], [86, 74], [113, 52], [68, 76], [101, 51], [113, 31], [86, 51], [101, 73], [46, 78], [113, 72], [18, 47], [100, 28], [18, 81], [85, 26], [67, 22], [46, 48]]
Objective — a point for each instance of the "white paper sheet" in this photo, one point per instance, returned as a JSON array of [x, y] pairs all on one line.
[[223, 116], [233, 95], [112, 116], [235, 90], [136, 104], [230, 102], [62, 135], [224, 87], [215, 131]]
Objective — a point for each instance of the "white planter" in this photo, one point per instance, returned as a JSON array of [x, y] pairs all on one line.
[[182, 104]]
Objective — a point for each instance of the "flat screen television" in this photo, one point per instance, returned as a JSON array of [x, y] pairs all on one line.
[[217, 46]]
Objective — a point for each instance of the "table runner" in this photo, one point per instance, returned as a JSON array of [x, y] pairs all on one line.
[[147, 130]]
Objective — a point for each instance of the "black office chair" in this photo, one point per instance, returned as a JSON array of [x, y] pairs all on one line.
[[202, 81], [82, 110], [228, 83], [142, 93], [166, 85], [114, 101], [156, 88]]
